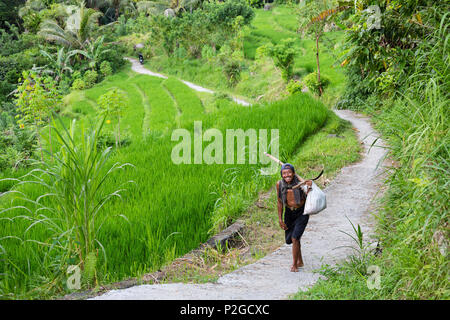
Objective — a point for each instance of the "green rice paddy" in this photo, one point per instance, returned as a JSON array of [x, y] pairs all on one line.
[[170, 209]]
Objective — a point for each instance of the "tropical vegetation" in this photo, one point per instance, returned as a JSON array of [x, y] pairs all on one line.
[[87, 178]]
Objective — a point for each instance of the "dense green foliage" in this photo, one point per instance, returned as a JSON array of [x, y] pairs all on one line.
[[386, 58], [18, 52], [214, 25], [9, 12], [398, 74], [62, 41]]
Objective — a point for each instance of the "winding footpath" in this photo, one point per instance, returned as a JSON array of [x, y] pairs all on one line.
[[350, 196], [137, 67]]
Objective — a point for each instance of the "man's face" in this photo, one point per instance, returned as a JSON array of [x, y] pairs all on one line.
[[287, 175]]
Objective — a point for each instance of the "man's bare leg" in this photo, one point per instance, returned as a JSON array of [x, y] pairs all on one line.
[[300, 259], [295, 256]]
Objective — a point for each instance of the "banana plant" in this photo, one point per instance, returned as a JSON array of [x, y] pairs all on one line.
[[59, 62], [93, 52]]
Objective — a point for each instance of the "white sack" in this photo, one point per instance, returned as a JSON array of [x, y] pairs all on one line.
[[315, 201]]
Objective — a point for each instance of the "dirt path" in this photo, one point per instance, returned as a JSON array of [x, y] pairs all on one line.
[[350, 195], [137, 67]]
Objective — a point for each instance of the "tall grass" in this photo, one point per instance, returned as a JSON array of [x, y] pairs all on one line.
[[413, 220], [416, 208], [61, 202]]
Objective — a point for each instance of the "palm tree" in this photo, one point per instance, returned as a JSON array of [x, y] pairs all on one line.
[[31, 6], [78, 30]]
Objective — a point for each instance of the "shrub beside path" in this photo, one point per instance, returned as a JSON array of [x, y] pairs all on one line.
[[350, 196]]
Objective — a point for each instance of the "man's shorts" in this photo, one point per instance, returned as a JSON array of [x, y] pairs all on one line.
[[296, 222]]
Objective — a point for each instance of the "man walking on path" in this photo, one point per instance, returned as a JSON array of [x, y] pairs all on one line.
[[293, 200]]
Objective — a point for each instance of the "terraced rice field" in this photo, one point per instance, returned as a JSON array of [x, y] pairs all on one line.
[[170, 209]]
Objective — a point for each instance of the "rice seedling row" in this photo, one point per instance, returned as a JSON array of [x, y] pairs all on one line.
[[190, 105], [162, 109]]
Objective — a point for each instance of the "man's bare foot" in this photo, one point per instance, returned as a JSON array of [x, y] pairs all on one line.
[[294, 268], [300, 263]]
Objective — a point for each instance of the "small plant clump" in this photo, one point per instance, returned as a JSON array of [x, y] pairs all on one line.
[[90, 78], [311, 83], [293, 87], [105, 69], [78, 84]]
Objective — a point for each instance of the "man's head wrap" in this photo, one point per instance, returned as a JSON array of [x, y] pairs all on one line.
[[287, 166]]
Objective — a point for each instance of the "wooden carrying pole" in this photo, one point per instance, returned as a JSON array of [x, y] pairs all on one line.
[[274, 159]]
